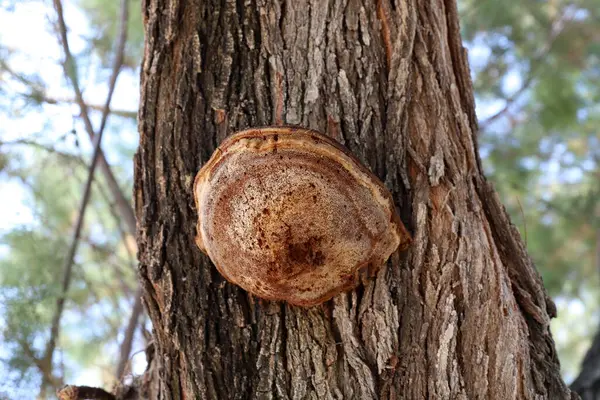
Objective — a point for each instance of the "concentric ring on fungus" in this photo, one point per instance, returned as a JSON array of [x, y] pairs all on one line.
[[290, 214]]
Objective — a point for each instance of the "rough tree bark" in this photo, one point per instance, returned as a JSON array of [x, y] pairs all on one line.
[[462, 314]]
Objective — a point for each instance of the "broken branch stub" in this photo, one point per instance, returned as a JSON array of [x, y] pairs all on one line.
[[290, 214]]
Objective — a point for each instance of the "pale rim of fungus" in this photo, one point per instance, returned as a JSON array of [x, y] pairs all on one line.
[[312, 142]]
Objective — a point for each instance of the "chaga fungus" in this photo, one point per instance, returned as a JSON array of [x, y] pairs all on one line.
[[290, 214]]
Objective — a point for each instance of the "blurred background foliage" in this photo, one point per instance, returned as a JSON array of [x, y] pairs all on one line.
[[536, 70]]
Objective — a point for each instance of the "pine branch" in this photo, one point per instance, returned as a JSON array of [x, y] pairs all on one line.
[[126, 344]]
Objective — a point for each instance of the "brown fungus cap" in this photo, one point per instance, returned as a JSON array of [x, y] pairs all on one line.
[[289, 214]]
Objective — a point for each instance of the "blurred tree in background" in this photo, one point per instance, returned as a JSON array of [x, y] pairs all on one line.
[[67, 318], [536, 71]]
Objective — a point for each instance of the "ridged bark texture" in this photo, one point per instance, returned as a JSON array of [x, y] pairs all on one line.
[[461, 315]]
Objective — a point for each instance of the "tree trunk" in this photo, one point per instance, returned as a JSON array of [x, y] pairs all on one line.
[[587, 384], [462, 314]]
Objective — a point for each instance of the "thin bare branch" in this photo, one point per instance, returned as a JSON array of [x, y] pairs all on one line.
[[117, 62], [97, 139], [511, 100], [129, 244], [45, 371], [38, 94], [536, 64], [44, 147], [68, 264], [126, 344], [70, 68], [598, 250], [51, 100], [126, 236]]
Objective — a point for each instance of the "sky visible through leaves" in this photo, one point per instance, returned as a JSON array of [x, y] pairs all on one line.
[[536, 71]]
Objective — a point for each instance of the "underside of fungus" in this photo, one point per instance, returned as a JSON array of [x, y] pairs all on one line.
[[289, 214]]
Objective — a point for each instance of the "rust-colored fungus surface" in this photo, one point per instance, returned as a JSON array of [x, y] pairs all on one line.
[[289, 214]]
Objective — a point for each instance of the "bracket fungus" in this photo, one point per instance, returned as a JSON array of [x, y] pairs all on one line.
[[290, 214]]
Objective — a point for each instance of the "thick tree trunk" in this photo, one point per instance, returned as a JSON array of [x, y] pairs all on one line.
[[461, 314]]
